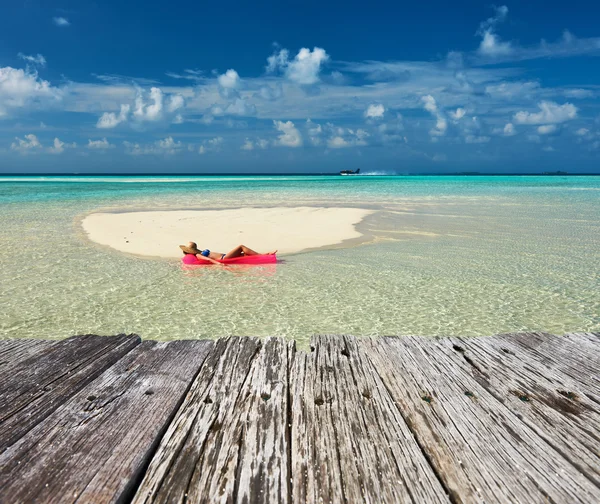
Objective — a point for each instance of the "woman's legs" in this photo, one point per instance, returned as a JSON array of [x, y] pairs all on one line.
[[240, 250]]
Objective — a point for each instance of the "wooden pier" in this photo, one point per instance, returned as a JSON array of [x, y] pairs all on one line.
[[509, 418]]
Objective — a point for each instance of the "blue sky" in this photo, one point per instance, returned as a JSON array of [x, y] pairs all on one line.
[[299, 87]]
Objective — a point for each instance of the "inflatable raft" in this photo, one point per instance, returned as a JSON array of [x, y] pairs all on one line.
[[192, 260]]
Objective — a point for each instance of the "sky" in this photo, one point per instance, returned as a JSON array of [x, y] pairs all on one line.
[[292, 87]]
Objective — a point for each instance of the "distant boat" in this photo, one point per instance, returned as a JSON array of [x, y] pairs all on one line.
[[350, 172]]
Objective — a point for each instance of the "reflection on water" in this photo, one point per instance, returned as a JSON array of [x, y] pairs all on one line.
[[461, 257]]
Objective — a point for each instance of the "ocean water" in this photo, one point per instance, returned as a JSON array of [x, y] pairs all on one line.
[[440, 256]]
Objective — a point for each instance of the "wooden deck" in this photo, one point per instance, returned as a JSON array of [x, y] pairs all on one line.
[[510, 418]]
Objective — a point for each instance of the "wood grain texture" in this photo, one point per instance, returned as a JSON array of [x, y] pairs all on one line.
[[95, 447], [349, 441], [578, 361], [548, 402], [42, 382], [228, 440], [14, 351], [480, 448]]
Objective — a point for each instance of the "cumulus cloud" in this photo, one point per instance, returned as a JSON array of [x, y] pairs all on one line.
[[459, 114], [441, 124], [22, 88], [38, 59], [229, 79], [61, 21], [240, 107], [271, 93], [375, 111], [290, 136], [259, 143], [490, 44], [547, 129], [212, 145], [582, 132], [509, 130], [550, 113], [28, 144], [151, 110], [314, 131], [58, 147], [346, 137], [303, 69], [148, 107], [99, 144], [167, 146], [111, 120]]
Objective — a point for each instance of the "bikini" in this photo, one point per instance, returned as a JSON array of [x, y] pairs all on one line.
[[206, 253]]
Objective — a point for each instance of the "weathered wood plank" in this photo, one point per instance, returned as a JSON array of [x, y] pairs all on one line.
[[95, 447], [581, 362], [228, 440], [349, 441], [584, 336], [42, 382], [481, 450], [549, 403], [14, 351]]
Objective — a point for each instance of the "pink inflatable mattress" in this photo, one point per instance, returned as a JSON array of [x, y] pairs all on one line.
[[192, 260]]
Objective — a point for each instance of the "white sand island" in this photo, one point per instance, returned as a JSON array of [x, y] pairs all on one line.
[[289, 230]]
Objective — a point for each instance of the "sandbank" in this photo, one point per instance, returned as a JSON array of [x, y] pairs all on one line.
[[289, 230]]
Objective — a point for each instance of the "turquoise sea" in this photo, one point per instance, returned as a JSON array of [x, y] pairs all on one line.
[[464, 255]]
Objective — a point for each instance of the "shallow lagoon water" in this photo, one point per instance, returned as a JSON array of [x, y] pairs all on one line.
[[441, 256]]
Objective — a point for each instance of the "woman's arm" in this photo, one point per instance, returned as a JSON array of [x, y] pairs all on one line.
[[200, 257]]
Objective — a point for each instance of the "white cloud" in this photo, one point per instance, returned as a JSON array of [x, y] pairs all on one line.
[[441, 124], [548, 148], [110, 119], [550, 113], [582, 131], [546, 129], [229, 80], [509, 130], [241, 107], [271, 93], [29, 144], [59, 147], [212, 145], [290, 136], [257, 144], [167, 146], [346, 137], [22, 88], [314, 132], [492, 46], [375, 111], [578, 93], [476, 139], [152, 110], [277, 60], [99, 144], [459, 114], [514, 89], [490, 43], [175, 103], [337, 143], [61, 21], [155, 108], [303, 69], [38, 59]]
